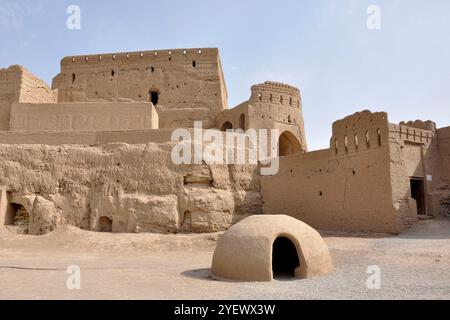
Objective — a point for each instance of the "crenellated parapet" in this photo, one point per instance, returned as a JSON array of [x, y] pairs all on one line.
[[361, 131], [276, 93]]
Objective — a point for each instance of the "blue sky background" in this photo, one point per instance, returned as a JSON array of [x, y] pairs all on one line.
[[322, 46]]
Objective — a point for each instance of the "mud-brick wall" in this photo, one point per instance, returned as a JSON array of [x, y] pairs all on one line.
[[344, 188], [444, 151], [350, 193], [83, 116], [443, 190], [414, 154], [18, 85], [137, 187], [189, 83]]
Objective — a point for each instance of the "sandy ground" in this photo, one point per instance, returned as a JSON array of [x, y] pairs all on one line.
[[414, 265]]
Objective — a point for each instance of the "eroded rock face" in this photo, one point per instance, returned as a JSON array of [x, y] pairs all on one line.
[[125, 188]]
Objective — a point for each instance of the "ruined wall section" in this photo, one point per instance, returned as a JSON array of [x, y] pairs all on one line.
[[272, 105], [10, 83], [344, 188], [18, 85], [136, 187], [34, 90], [189, 84]]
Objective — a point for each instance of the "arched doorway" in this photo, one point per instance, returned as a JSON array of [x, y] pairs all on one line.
[[227, 126], [16, 215], [242, 122], [288, 144], [284, 259], [104, 224]]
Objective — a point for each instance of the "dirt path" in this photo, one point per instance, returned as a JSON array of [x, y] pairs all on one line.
[[414, 265]]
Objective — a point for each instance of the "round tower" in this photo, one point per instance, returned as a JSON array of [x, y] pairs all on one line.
[[279, 106]]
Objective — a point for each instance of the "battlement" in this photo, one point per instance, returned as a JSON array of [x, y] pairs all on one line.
[[359, 132], [414, 135], [276, 93], [168, 55], [419, 124]]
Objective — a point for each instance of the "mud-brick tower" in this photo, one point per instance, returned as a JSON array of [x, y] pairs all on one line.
[[278, 105]]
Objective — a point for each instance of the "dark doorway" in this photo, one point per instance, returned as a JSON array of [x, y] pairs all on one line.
[[154, 97], [284, 259], [227, 126], [187, 222], [418, 194], [288, 145], [105, 224], [16, 215]]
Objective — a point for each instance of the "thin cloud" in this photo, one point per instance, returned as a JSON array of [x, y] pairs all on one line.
[[14, 13]]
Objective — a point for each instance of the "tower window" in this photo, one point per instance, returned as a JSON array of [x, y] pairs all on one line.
[[194, 64]]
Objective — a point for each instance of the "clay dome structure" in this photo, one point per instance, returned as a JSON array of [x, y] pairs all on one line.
[[267, 247]]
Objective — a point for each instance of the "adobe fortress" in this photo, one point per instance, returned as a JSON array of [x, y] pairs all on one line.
[[94, 151]]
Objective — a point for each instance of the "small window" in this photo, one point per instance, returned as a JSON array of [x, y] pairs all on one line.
[[73, 77], [152, 69], [281, 100], [113, 73], [356, 142], [367, 140], [379, 137], [346, 144], [259, 96], [290, 102], [336, 146], [271, 98], [154, 97], [194, 64], [242, 122]]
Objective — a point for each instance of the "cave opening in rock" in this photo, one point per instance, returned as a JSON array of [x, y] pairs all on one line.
[[105, 224]]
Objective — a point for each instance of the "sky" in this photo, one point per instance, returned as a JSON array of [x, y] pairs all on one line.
[[323, 47]]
